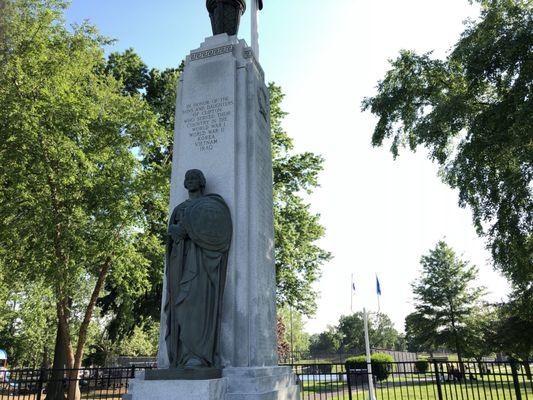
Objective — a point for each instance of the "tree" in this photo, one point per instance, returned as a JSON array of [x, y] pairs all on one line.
[[327, 342], [419, 332], [381, 332], [135, 303], [71, 176], [296, 229], [284, 348], [473, 112], [479, 332], [27, 336], [444, 300], [508, 336], [294, 333]]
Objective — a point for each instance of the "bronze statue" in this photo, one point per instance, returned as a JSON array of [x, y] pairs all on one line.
[[226, 15], [199, 232]]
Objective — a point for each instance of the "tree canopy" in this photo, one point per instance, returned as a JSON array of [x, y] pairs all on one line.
[[381, 332], [444, 301], [348, 335], [71, 177], [296, 228], [473, 112]]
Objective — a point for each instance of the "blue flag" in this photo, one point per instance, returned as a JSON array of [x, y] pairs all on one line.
[[353, 287], [378, 287]]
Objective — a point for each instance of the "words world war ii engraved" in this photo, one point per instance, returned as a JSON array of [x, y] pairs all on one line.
[[205, 121]]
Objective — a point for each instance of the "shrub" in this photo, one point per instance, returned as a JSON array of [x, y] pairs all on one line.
[[381, 365], [422, 366]]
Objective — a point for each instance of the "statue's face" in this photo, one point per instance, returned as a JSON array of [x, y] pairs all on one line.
[[193, 183]]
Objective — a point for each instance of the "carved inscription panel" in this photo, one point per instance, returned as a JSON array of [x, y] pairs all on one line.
[[205, 122]]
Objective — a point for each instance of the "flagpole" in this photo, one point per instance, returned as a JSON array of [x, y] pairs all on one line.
[[255, 29], [371, 395]]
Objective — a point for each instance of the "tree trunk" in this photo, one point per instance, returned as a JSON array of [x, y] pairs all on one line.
[[54, 388], [73, 391], [457, 341], [527, 367], [74, 387]]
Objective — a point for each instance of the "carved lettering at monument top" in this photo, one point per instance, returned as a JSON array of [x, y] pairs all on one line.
[[205, 122], [211, 52]]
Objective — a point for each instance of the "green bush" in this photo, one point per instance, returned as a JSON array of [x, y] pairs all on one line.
[[381, 365], [422, 366]]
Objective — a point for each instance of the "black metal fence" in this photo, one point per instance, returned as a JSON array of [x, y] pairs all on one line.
[[440, 380], [417, 381], [94, 383]]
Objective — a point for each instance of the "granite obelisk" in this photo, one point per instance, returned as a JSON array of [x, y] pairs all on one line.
[[223, 129]]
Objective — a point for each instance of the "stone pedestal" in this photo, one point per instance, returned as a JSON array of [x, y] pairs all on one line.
[[262, 383], [141, 389], [223, 129]]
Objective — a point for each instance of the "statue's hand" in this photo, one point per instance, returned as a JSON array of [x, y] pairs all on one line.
[[177, 232]]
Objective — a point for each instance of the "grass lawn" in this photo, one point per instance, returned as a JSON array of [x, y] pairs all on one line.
[[388, 390]]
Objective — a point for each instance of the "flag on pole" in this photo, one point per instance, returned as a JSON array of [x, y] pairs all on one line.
[[352, 292], [378, 287]]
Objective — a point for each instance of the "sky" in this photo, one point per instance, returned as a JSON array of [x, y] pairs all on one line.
[[381, 215]]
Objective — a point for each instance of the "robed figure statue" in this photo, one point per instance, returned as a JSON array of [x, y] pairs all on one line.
[[199, 236]]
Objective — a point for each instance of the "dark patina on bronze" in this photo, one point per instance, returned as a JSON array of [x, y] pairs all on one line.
[[226, 15], [199, 237]]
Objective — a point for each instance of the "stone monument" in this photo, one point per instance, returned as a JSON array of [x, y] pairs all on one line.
[[222, 129]]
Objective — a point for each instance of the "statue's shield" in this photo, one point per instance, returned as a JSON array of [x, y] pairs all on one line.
[[208, 223]]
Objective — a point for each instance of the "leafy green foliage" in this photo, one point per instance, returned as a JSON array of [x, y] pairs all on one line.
[[134, 303], [327, 342], [381, 364], [294, 333], [348, 335], [508, 334], [381, 332], [444, 300], [422, 366], [478, 336], [298, 257], [71, 179], [25, 331], [284, 348], [473, 111]]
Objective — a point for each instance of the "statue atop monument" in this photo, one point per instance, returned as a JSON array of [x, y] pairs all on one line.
[[226, 15], [199, 236]]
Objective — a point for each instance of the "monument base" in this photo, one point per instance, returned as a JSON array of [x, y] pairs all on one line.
[[261, 383], [198, 374], [258, 383]]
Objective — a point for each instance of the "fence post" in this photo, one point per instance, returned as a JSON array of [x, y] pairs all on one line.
[[40, 383], [133, 371], [347, 369], [515, 380], [437, 375]]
